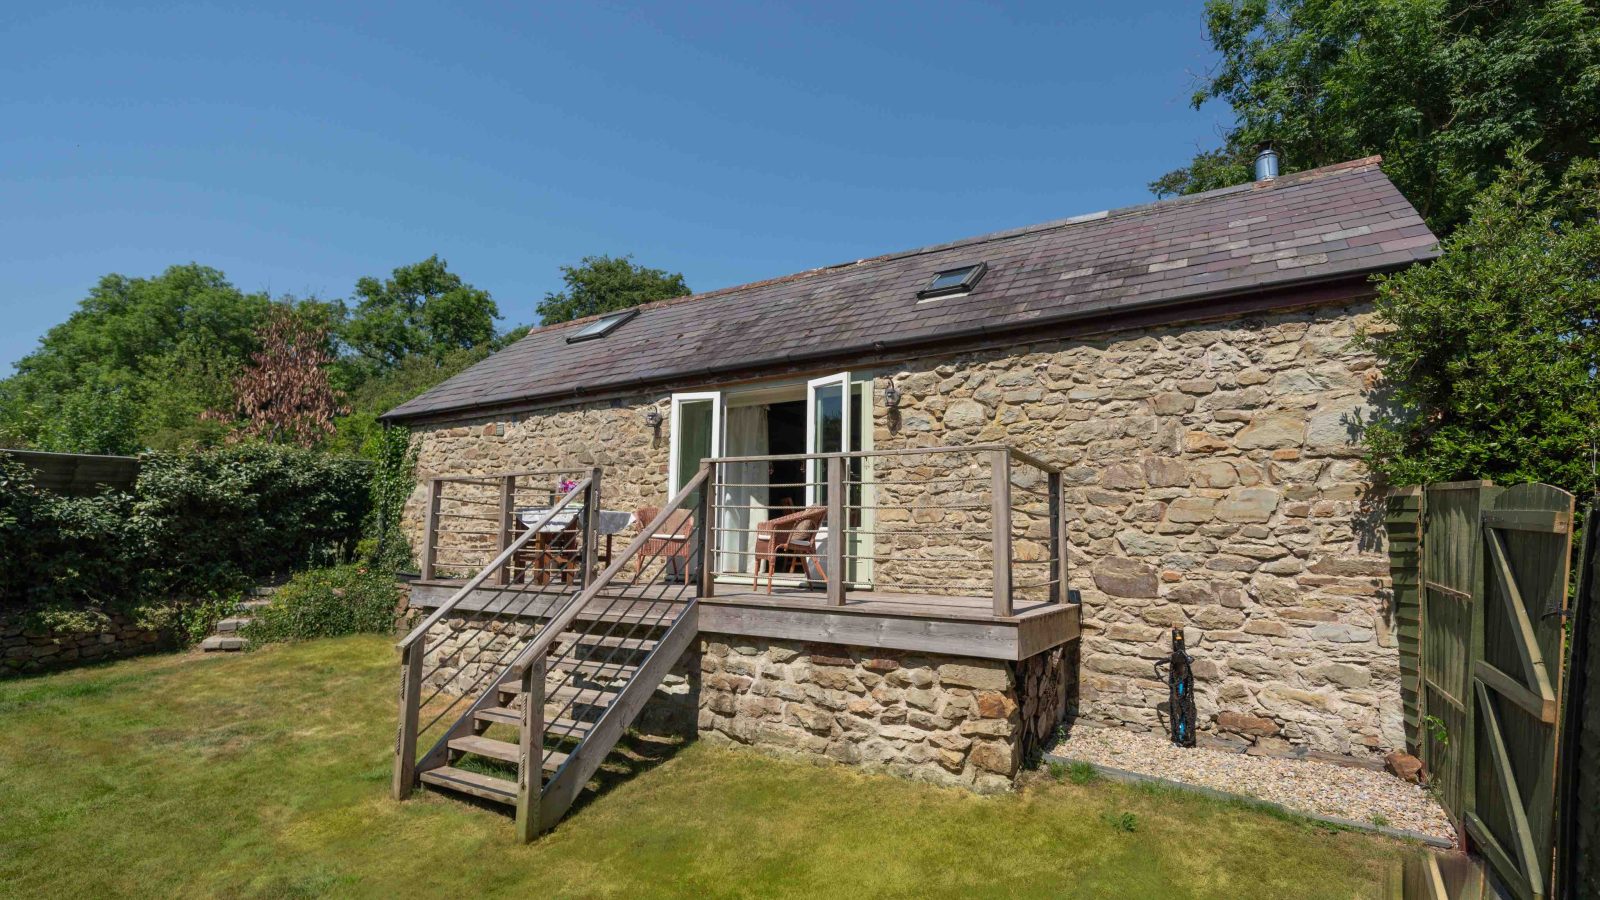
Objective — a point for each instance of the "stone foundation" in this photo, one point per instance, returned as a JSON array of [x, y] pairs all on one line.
[[25, 649]]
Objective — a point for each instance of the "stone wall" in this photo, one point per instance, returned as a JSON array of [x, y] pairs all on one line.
[[1212, 482], [27, 649], [949, 720]]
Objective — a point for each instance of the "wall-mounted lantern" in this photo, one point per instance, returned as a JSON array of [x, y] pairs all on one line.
[[652, 418], [891, 397]]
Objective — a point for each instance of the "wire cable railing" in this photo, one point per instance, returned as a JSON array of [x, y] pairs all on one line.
[[960, 521]]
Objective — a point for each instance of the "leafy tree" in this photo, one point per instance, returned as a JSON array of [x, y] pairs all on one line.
[[601, 284], [420, 310], [1441, 88], [1493, 351], [284, 395], [134, 365]]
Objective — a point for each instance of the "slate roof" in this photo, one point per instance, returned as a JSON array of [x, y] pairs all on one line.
[[1319, 225]]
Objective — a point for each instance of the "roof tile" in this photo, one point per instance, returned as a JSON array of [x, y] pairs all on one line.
[[1337, 221]]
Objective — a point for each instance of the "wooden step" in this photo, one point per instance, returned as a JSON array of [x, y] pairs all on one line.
[[486, 786], [589, 696], [595, 694], [482, 746], [505, 751], [620, 643], [591, 668], [501, 715]]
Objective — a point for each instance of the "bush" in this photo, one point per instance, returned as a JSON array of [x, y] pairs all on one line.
[[62, 553], [212, 518], [350, 599], [199, 527], [1490, 354]]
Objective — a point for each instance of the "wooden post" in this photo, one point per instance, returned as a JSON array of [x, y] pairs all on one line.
[[836, 531], [1403, 522], [1058, 540], [530, 754], [705, 510], [430, 527], [591, 522], [1000, 516], [405, 739], [508, 524]]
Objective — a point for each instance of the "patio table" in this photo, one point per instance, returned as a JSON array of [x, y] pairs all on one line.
[[611, 522]]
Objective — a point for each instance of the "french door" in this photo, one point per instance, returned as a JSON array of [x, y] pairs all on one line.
[[827, 429], [696, 434], [837, 410]]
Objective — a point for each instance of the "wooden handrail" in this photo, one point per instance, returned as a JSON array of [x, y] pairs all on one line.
[[495, 565], [1026, 457], [559, 622]]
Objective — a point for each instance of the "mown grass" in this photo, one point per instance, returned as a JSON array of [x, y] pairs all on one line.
[[266, 775]]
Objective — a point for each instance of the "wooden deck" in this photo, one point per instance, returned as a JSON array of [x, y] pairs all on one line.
[[963, 626]]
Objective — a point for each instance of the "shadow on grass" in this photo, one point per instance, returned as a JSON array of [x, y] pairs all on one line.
[[633, 756]]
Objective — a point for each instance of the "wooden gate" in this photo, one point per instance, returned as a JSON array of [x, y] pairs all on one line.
[[1493, 575]]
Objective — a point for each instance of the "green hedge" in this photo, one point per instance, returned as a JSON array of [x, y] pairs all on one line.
[[199, 524], [348, 599]]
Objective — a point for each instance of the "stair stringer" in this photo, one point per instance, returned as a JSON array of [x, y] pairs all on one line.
[[563, 787]]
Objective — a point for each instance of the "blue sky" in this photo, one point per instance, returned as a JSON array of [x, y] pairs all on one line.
[[298, 147]]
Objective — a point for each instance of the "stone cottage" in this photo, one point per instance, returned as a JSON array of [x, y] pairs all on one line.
[[1183, 370]]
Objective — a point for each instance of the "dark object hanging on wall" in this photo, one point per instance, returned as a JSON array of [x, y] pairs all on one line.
[[1180, 692]]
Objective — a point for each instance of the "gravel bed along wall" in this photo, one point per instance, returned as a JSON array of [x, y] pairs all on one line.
[[1309, 785]]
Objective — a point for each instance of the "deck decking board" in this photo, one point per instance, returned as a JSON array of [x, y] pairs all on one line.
[[957, 625]]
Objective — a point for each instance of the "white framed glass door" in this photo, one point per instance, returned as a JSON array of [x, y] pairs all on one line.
[[696, 435], [828, 423]]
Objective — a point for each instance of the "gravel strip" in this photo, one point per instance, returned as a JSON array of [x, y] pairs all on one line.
[[1307, 785]]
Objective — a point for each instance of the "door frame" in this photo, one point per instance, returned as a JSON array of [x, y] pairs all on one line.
[[842, 381], [715, 397]]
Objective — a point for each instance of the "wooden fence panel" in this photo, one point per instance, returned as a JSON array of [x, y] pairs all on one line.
[[1452, 576], [1493, 577], [1403, 520], [1578, 842], [78, 474]]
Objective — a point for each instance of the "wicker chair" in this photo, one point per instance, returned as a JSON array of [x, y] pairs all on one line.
[[670, 541], [792, 537]]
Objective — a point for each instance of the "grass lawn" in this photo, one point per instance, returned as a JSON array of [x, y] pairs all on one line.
[[267, 774]]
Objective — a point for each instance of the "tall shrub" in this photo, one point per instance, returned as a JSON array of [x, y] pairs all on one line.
[[246, 511], [1491, 353]]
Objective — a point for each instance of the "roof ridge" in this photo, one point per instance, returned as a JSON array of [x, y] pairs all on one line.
[[1288, 180]]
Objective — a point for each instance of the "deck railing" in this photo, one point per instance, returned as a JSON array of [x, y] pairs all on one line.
[[444, 665], [469, 519], [964, 521]]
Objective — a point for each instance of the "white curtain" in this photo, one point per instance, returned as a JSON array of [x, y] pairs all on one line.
[[744, 488]]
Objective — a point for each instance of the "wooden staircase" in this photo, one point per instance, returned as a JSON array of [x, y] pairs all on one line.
[[570, 686]]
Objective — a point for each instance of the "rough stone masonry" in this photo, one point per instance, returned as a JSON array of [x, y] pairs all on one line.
[[1213, 483]]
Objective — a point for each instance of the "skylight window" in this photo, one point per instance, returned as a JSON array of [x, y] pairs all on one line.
[[602, 326], [954, 281]]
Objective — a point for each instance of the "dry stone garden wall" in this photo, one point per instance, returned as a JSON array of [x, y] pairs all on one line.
[[1212, 483], [26, 648]]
